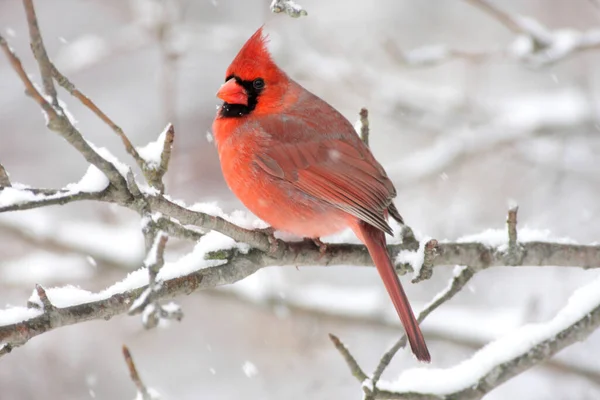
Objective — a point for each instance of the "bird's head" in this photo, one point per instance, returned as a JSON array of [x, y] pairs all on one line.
[[253, 82]]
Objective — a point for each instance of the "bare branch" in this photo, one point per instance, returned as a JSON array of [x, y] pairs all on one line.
[[41, 292], [29, 87], [39, 51], [4, 178], [86, 101], [357, 372], [147, 303], [290, 7], [144, 392], [511, 223], [59, 122], [514, 249], [363, 122]]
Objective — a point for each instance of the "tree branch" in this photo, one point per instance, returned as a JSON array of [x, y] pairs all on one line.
[[39, 51], [58, 120], [13, 199], [87, 102], [4, 178], [144, 393], [462, 276], [290, 7], [506, 357]]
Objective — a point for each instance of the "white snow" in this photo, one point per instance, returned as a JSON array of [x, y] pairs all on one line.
[[414, 258], [11, 196], [92, 181], [10, 32], [12, 315], [91, 261], [108, 156], [71, 295], [152, 256], [152, 152], [154, 395], [249, 369], [149, 311], [440, 381]]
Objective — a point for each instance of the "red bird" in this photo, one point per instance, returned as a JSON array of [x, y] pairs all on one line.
[[298, 164]]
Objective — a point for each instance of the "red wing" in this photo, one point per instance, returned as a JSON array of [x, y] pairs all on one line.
[[340, 172]]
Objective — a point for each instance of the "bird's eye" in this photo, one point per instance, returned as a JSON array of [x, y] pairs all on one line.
[[258, 83]]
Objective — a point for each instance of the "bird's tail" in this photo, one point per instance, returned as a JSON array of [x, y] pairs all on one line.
[[374, 239]]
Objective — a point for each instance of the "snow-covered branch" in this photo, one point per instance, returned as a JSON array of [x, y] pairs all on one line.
[[290, 7], [230, 248], [58, 119], [505, 357]]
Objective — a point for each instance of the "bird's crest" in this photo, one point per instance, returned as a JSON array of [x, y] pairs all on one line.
[[253, 60]]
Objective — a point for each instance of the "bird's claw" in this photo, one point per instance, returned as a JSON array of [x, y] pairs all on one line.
[[273, 242], [322, 246]]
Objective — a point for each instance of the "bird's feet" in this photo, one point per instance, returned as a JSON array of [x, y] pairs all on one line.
[[322, 246], [273, 243]]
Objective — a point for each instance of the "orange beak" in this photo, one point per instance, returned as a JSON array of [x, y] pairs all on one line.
[[233, 93]]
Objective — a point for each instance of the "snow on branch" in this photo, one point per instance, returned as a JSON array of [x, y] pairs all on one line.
[[505, 357], [156, 156], [290, 7], [496, 363], [58, 119], [230, 248]]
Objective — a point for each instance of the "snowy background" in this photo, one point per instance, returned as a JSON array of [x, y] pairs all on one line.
[[461, 140]]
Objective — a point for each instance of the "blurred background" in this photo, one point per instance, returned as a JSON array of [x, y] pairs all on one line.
[[462, 118]]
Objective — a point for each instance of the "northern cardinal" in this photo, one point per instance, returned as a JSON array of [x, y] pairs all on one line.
[[298, 164]]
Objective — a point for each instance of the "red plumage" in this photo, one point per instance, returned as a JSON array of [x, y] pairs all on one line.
[[298, 164]]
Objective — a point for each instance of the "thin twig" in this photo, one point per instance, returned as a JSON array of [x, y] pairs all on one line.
[[364, 125], [58, 121], [135, 377], [459, 281], [4, 178], [60, 198], [514, 249], [29, 86], [86, 101], [357, 372], [39, 51], [511, 223]]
